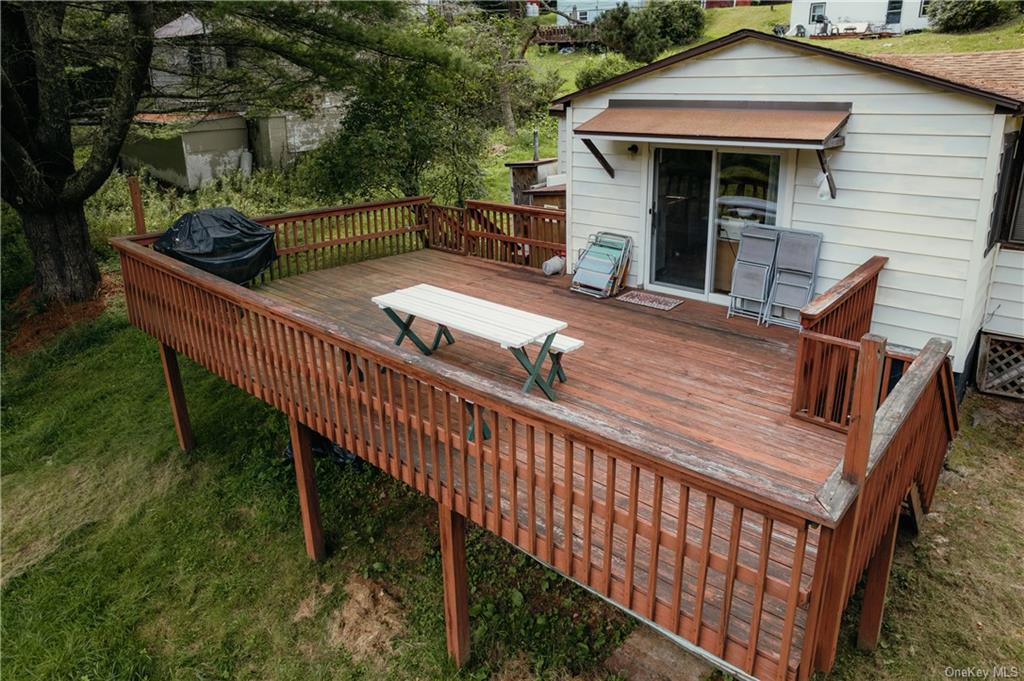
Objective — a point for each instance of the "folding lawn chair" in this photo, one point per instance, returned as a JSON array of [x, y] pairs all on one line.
[[751, 274], [601, 267], [796, 269]]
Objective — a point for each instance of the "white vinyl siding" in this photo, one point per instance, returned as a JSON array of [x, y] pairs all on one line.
[[913, 180], [1004, 312]]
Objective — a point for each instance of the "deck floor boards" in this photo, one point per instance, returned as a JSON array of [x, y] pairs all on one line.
[[685, 375]]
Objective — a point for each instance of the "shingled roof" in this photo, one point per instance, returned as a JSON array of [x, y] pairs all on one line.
[[999, 71], [989, 75]]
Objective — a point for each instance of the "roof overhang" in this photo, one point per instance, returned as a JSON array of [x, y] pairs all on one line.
[[788, 125]]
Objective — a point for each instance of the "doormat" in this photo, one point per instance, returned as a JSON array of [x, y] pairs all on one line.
[[650, 300]]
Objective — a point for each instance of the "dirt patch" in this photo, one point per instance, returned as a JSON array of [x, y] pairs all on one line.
[[367, 624], [646, 655], [309, 605], [36, 327]]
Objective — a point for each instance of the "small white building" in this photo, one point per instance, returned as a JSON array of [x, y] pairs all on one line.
[[588, 11], [895, 15], [924, 156]]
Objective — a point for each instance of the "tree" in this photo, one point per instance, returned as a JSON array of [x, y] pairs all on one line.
[[73, 64], [641, 35], [960, 16]]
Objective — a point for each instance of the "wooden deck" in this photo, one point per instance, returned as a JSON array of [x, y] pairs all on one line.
[[727, 482], [689, 379]]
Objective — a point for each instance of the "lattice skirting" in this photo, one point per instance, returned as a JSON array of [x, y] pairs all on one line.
[[1001, 366]]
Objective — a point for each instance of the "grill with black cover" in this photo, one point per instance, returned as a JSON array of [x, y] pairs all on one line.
[[220, 241]]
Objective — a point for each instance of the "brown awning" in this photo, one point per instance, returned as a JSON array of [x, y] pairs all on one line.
[[782, 124]]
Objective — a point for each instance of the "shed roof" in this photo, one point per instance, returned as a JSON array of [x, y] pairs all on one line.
[[966, 73]]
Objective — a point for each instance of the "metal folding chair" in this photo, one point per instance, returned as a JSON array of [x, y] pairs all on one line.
[[751, 274], [796, 270]]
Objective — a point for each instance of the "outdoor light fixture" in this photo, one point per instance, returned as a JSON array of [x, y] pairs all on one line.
[[633, 149]]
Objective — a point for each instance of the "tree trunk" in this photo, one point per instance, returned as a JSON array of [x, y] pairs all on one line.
[[65, 265], [509, 119]]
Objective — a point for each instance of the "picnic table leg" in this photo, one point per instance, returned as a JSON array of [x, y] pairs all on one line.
[[534, 368], [556, 368], [442, 332], [405, 329], [471, 431]]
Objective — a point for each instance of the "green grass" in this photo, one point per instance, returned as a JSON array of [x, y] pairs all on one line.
[[1003, 37], [125, 559], [954, 598]]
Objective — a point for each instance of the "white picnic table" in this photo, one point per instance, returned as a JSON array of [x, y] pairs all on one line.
[[512, 329]]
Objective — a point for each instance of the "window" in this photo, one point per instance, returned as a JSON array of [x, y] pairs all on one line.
[[923, 12], [817, 11], [583, 15], [894, 12], [1006, 219], [748, 195]]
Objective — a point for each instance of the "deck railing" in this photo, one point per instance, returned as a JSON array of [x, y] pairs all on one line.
[[895, 454], [708, 561], [517, 235], [758, 584], [328, 237], [827, 349]]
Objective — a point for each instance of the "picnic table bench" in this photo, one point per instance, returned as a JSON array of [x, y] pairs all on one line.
[[512, 329]]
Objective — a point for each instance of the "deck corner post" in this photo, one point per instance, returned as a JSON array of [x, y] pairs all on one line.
[[135, 194], [865, 402], [176, 395], [879, 568], [452, 528], [309, 499]]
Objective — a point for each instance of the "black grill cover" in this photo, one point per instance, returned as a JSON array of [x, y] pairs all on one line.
[[220, 241]]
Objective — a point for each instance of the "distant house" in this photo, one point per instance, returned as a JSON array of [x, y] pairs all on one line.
[[924, 152], [588, 11], [202, 145], [839, 16]]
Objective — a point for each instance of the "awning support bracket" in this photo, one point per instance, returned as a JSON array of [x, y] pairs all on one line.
[[823, 162], [589, 144]]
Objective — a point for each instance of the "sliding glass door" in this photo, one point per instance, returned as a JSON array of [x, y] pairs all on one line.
[[703, 200], [681, 211]]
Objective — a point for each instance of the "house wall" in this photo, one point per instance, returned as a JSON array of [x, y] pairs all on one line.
[[914, 180], [1004, 313], [213, 148], [164, 158], [593, 8], [858, 11]]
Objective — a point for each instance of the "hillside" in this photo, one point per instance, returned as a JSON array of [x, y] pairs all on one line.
[[725, 21]]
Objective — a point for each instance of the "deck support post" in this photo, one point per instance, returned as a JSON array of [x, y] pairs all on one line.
[[870, 626], [309, 499], [176, 395], [453, 566], [855, 468]]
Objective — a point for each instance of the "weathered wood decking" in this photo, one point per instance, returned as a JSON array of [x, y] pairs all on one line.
[[687, 379], [681, 474]]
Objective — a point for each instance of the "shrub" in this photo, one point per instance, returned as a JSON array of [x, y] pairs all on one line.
[[681, 22], [642, 35], [601, 69], [960, 16]]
